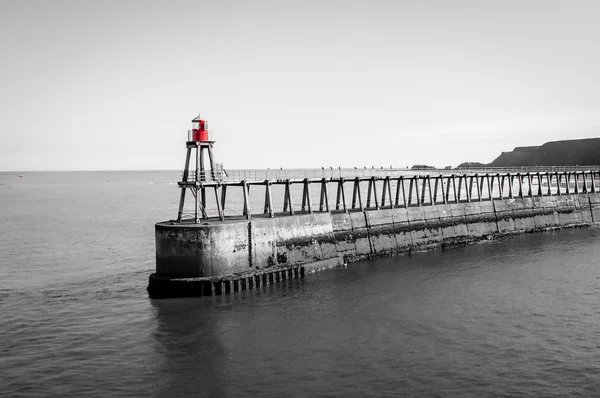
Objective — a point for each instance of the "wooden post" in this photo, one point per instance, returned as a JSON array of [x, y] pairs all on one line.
[[374, 194], [510, 185], [324, 203], [389, 187], [268, 200], [470, 190], [429, 189], [397, 196], [304, 187], [384, 193], [414, 183], [480, 186], [338, 198], [356, 194], [423, 184], [568, 179], [287, 201], [444, 189], [451, 180], [400, 186], [306, 196], [369, 190], [489, 186], [218, 200], [454, 187], [539, 178], [520, 180], [246, 200], [530, 190], [414, 179], [558, 182], [593, 175], [341, 197], [479, 196], [460, 180], [266, 206], [500, 186], [403, 192]]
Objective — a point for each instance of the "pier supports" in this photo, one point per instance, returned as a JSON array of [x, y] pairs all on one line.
[[410, 191]]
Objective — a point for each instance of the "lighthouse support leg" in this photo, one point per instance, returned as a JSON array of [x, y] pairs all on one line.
[[186, 171], [223, 197], [212, 163], [202, 174], [196, 218]]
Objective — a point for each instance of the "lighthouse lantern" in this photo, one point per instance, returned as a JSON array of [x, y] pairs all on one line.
[[199, 129]]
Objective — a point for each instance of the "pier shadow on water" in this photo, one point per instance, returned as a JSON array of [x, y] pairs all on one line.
[[202, 343], [187, 339]]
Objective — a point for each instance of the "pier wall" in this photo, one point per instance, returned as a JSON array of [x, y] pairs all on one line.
[[326, 239]]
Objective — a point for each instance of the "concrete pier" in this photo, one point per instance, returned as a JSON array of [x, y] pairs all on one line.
[[395, 216]]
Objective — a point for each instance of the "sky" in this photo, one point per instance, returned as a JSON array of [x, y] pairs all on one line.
[[103, 84]]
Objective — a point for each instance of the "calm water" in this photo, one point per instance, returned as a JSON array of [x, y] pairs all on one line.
[[514, 317]]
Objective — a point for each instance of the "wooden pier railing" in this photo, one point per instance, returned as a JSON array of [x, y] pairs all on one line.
[[238, 175], [381, 192]]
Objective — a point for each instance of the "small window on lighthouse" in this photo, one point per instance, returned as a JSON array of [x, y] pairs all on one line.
[[195, 125], [205, 125]]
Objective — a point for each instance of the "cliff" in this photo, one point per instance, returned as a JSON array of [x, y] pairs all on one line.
[[554, 153]]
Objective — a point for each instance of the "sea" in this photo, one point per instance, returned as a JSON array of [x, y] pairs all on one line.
[[519, 316]]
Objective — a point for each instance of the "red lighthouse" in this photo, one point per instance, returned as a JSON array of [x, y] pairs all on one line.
[[198, 179], [199, 129]]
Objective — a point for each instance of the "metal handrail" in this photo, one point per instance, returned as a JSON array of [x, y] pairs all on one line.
[[238, 175], [344, 194]]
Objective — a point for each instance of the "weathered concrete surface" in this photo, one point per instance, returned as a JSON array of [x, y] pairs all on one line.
[[321, 240], [179, 250], [594, 200]]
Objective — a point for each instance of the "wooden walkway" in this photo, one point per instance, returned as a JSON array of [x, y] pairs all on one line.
[[363, 193]]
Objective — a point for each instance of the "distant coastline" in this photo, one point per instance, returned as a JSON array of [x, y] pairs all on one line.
[[554, 153]]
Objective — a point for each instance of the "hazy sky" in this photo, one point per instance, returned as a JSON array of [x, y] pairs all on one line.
[[114, 84]]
